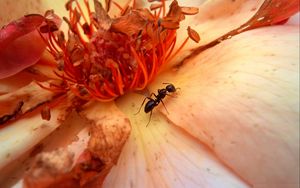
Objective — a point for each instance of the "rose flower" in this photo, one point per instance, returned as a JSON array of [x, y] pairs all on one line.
[[149, 94]]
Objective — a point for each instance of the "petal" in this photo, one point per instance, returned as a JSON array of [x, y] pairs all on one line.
[[241, 98], [220, 20], [163, 156], [217, 18], [73, 134], [24, 100], [18, 35], [13, 83], [15, 39], [22, 135], [109, 131], [294, 20]]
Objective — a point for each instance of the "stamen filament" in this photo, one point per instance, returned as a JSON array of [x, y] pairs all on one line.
[[104, 57]]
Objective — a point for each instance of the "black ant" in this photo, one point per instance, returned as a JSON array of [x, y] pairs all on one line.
[[152, 103]]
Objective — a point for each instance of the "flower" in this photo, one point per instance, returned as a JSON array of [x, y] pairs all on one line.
[[233, 122]]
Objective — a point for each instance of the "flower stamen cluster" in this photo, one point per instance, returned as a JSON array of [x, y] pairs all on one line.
[[105, 57]]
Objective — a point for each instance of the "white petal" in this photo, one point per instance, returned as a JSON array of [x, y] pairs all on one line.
[[216, 18], [72, 134], [18, 137], [241, 98], [161, 155]]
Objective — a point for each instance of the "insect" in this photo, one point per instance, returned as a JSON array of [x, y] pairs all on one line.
[[153, 102]]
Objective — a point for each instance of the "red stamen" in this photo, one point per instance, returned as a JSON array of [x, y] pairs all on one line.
[[142, 66], [106, 57], [179, 49]]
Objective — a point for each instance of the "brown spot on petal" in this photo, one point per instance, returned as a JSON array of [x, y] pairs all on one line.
[[45, 113]]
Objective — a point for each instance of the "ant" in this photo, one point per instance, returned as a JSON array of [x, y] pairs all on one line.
[[152, 103]]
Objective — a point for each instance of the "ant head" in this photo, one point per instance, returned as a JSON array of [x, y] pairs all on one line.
[[170, 88]]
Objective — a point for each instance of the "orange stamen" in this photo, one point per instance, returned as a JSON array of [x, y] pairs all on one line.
[[179, 49], [106, 57], [142, 66]]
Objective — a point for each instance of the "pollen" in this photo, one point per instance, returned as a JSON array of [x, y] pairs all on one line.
[[103, 57]]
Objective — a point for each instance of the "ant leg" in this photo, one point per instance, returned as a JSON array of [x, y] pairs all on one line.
[[141, 106], [164, 106], [149, 118], [151, 95]]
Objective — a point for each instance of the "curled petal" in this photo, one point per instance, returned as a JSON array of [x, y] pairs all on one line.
[[72, 136], [220, 20], [20, 136], [110, 129], [20, 45], [220, 17], [22, 101], [241, 98]]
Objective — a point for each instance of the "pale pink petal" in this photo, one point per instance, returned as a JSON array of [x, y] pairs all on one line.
[[221, 19], [294, 20], [216, 18], [161, 155], [241, 98]]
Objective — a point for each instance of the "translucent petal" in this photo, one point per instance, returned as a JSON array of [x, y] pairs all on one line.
[[18, 137], [161, 155], [14, 41], [294, 20], [73, 134], [241, 98], [225, 19]]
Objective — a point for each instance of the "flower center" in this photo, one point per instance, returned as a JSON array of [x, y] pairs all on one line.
[[104, 58]]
